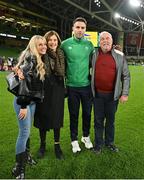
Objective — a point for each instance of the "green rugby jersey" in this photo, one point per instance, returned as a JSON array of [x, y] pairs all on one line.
[[77, 53]]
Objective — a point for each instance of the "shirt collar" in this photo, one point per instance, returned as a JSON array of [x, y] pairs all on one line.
[[101, 52], [77, 39]]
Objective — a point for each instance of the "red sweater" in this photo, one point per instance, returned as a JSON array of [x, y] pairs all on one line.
[[105, 72]]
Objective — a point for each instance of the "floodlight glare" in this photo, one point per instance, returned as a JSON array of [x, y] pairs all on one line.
[[135, 3], [117, 15]]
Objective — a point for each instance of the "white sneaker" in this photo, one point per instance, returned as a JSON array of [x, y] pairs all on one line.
[[87, 142], [75, 147]]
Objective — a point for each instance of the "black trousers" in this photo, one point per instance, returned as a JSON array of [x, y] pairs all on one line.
[[104, 118], [42, 133], [77, 95]]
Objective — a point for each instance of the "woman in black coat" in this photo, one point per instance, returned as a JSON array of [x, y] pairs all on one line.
[[50, 113]]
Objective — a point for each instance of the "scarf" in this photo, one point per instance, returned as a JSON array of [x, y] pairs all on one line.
[[55, 63]]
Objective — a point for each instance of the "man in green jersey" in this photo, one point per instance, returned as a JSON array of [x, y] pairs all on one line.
[[78, 51]]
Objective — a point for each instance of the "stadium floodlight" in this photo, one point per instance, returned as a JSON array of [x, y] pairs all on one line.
[[97, 2], [2, 34], [10, 35], [117, 15], [25, 38], [2, 17], [135, 3]]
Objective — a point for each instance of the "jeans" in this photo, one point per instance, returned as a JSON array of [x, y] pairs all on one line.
[[75, 96], [24, 126], [104, 109]]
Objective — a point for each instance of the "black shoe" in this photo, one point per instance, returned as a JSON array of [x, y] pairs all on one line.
[[41, 151], [112, 148], [58, 152], [97, 150]]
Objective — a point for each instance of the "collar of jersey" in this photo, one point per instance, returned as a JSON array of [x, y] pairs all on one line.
[[78, 40]]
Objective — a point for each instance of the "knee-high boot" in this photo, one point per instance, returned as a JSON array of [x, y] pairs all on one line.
[[29, 158], [19, 170]]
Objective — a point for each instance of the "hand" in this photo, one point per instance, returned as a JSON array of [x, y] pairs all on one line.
[[117, 47], [123, 99], [20, 74], [22, 113], [15, 69]]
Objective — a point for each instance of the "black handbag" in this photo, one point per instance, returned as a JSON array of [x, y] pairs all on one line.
[[30, 87], [18, 87], [13, 83]]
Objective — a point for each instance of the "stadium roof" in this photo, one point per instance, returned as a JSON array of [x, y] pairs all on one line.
[[39, 16]]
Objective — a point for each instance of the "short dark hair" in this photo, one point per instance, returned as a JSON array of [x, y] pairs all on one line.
[[81, 19]]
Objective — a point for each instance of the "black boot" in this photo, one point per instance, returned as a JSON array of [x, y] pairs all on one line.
[[42, 150], [30, 160], [19, 170], [58, 152]]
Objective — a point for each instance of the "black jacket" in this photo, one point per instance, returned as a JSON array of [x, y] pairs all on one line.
[[31, 88]]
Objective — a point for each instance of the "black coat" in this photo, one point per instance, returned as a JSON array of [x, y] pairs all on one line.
[[50, 113]]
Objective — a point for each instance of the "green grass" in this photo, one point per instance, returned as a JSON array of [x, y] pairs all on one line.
[[128, 163], [9, 52]]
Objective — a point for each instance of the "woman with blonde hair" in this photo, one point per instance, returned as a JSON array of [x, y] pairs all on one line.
[[31, 69], [50, 113]]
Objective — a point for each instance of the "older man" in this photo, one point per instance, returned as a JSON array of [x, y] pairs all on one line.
[[110, 83]]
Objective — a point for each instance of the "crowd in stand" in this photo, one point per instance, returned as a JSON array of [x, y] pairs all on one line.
[[6, 64]]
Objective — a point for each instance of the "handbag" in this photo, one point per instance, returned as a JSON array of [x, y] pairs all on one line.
[[13, 83], [30, 87]]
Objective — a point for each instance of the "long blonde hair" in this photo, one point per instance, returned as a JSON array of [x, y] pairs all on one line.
[[31, 49]]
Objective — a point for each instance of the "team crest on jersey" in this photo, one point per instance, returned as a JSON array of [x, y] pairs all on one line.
[[69, 47], [86, 48]]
